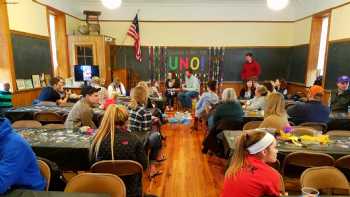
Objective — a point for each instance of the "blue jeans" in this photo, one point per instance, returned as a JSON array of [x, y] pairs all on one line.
[[185, 98], [155, 143]]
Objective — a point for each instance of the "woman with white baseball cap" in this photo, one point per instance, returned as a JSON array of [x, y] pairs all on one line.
[[249, 174]]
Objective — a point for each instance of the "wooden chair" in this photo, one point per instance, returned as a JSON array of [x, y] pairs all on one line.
[[338, 133], [54, 126], [48, 117], [251, 125], [119, 167], [319, 126], [302, 130], [26, 124], [294, 163], [343, 164], [97, 183], [45, 172], [326, 179]]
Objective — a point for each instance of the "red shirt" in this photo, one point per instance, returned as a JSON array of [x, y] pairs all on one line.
[[254, 180], [250, 70], [108, 102]]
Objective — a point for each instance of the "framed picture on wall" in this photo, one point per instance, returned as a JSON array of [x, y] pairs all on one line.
[[28, 84], [36, 81], [20, 84]]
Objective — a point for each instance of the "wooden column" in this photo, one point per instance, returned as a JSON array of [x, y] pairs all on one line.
[[313, 50], [62, 46], [7, 69], [61, 42]]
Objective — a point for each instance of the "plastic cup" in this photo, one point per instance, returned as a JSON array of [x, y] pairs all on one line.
[[310, 192]]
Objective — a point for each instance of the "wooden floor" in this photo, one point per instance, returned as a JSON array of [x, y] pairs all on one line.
[[186, 172]]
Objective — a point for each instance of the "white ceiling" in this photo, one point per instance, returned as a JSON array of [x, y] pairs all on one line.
[[196, 10]]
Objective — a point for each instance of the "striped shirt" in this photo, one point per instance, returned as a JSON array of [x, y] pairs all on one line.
[[5, 99], [140, 119]]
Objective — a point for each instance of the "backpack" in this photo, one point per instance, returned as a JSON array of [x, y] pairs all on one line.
[[57, 182]]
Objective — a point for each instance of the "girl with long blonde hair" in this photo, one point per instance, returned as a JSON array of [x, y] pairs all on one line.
[[249, 175], [275, 115], [140, 123], [114, 142]]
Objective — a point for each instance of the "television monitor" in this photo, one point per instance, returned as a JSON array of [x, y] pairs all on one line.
[[85, 72]]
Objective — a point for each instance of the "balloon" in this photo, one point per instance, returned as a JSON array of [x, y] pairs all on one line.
[[195, 63], [174, 66], [184, 63]]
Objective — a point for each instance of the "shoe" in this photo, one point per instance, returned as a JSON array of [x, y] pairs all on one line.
[[162, 158], [155, 173]]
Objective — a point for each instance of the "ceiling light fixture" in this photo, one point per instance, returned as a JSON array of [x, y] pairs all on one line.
[[277, 4], [111, 4]]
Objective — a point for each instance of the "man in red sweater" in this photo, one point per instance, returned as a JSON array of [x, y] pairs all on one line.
[[251, 68]]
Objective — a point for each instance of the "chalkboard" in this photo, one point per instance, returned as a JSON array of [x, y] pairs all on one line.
[[338, 62], [274, 61], [297, 63], [32, 55]]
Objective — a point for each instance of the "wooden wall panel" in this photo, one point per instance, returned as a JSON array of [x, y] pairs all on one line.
[[62, 46], [25, 97]]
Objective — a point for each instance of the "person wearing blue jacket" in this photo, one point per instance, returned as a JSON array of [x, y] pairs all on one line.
[[18, 165]]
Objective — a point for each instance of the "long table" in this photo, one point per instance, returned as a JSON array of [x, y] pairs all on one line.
[[31, 193], [339, 145], [27, 112], [68, 148]]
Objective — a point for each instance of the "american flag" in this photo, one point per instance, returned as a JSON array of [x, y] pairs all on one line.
[[134, 32]]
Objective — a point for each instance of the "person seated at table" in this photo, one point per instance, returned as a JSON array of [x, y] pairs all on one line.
[[110, 100], [18, 165], [226, 114], [280, 86], [5, 99], [154, 90], [275, 115], [189, 90], [206, 101], [318, 80], [340, 98], [157, 108], [269, 86], [113, 141], [81, 113], [140, 123], [258, 102], [116, 86], [249, 173], [228, 108], [311, 111], [248, 91], [102, 94], [51, 93], [172, 86]]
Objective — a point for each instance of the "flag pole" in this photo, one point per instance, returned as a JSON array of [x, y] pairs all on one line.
[[126, 35]]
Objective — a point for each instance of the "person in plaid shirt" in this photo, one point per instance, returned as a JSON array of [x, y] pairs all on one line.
[[140, 122]]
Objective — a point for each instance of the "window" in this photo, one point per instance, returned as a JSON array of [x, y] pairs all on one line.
[[323, 46], [53, 39], [317, 48], [84, 55]]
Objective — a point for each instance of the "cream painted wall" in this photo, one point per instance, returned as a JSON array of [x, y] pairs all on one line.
[[204, 33], [340, 28], [302, 31], [72, 25], [29, 17]]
